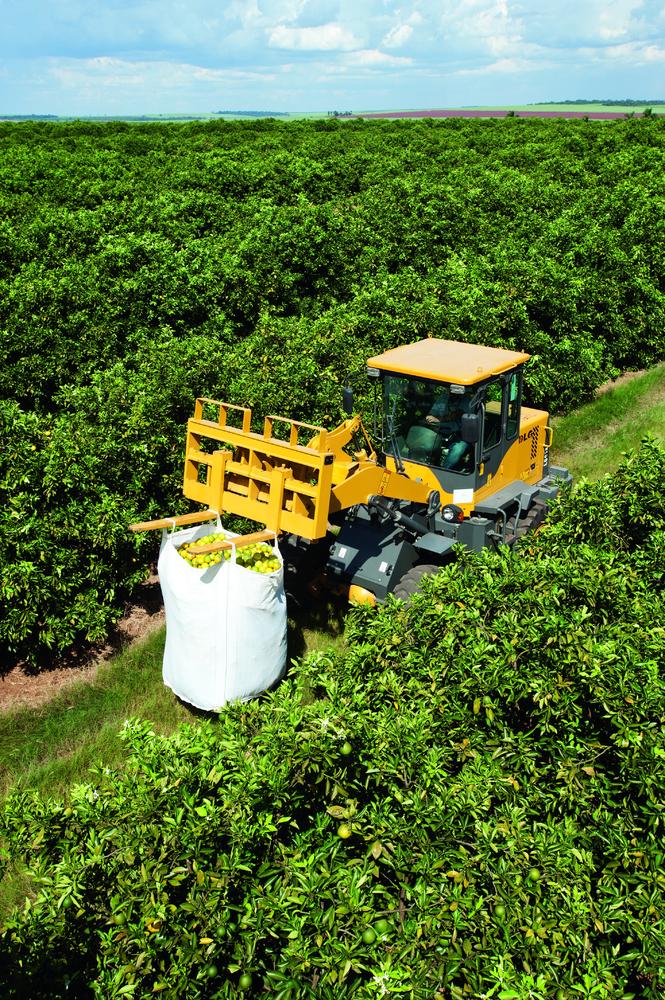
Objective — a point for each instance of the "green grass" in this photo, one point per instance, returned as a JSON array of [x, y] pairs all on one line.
[[53, 745], [592, 440], [50, 747]]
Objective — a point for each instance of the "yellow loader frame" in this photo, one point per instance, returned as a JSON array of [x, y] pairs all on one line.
[[287, 485]]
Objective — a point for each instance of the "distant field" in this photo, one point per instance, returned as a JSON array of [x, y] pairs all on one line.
[[591, 111], [584, 108]]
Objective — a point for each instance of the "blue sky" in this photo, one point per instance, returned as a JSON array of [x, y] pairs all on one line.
[[157, 56]]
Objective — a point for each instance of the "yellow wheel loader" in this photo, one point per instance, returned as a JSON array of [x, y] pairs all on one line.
[[457, 459]]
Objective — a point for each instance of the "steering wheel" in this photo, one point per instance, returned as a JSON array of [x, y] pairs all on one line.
[[444, 428]]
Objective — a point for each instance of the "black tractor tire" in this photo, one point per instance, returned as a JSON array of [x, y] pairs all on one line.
[[302, 566], [531, 521], [411, 581]]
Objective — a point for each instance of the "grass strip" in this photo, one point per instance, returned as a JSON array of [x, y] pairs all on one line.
[[54, 745], [51, 746], [592, 440]]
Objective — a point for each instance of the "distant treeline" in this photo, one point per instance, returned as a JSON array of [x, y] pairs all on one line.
[[105, 118], [628, 102], [256, 114], [27, 118]]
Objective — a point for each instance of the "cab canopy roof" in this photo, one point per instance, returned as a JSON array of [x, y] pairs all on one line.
[[448, 361]]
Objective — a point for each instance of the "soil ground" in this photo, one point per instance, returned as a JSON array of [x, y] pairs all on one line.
[[612, 384], [21, 687]]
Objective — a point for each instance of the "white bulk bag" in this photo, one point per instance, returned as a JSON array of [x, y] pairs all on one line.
[[225, 625]]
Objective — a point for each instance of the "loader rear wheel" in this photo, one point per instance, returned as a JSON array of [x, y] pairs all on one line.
[[533, 519], [411, 581], [527, 524]]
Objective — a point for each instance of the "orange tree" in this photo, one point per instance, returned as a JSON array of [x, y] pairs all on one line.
[[258, 261], [467, 802]]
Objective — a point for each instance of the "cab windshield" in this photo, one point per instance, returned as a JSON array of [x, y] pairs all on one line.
[[424, 423]]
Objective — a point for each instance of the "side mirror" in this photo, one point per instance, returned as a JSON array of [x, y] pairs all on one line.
[[347, 400], [470, 428]]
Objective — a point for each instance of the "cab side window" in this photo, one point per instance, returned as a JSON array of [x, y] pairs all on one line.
[[513, 421], [492, 421]]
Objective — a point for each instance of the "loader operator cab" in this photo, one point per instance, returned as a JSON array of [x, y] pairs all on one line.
[[424, 423], [452, 407]]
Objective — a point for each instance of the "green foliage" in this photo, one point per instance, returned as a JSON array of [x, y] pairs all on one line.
[[618, 512], [259, 261], [466, 801], [71, 484]]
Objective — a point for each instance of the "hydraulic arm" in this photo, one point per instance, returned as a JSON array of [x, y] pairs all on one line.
[[290, 483]]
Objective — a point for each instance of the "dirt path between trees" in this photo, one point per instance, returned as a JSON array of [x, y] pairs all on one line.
[[20, 687], [612, 384]]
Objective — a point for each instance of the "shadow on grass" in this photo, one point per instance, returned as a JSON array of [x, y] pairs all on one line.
[[312, 626]]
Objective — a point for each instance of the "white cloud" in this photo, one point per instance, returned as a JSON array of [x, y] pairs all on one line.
[[323, 38], [374, 57], [283, 11], [398, 36], [570, 24], [615, 19], [104, 71], [633, 53], [473, 30], [611, 31], [501, 66], [247, 12]]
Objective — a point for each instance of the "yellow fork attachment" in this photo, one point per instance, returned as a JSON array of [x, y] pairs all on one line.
[[276, 481], [287, 485], [180, 521]]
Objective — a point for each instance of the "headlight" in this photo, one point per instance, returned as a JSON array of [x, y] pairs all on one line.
[[452, 514]]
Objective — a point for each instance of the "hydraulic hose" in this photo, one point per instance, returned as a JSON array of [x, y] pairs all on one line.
[[380, 503]]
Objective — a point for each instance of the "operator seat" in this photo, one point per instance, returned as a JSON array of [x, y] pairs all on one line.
[[423, 444]]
